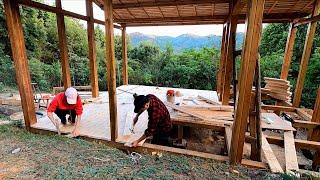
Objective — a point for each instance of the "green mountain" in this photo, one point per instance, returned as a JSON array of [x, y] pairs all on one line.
[[184, 41]]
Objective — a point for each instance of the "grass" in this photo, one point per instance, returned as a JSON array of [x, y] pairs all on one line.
[[57, 157]]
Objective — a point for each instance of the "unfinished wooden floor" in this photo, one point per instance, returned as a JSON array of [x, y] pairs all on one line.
[[95, 119]]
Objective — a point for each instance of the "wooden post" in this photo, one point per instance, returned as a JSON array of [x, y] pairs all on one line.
[[288, 52], [63, 47], [19, 56], [92, 50], [222, 57], [231, 41], [305, 56], [111, 68], [248, 65], [124, 56]]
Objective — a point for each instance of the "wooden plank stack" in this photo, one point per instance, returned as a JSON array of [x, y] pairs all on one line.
[[278, 89]]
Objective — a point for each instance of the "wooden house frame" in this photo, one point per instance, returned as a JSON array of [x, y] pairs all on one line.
[[184, 12]]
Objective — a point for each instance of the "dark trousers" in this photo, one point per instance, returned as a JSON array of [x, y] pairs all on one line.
[[161, 138], [61, 113]]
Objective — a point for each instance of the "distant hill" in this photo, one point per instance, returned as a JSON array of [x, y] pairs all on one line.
[[184, 41]]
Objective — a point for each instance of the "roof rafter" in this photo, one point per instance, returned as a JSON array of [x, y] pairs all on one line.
[[166, 3]]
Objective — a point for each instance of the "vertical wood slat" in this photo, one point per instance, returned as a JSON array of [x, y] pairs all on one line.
[[306, 56], [248, 65], [111, 68], [222, 57], [63, 47], [288, 52], [15, 31], [92, 50], [231, 41], [124, 57]]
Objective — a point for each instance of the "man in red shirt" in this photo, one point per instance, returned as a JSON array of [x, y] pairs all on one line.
[[68, 102], [159, 125]]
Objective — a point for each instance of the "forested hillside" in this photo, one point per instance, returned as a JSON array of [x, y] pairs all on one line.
[[184, 41], [149, 64]]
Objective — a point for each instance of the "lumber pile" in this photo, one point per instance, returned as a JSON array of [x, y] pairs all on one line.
[[278, 89]]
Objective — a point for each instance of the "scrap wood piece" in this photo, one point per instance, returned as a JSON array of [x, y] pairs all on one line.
[[270, 157], [277, 124], [128, 139], [183, 110], [290, 152], [210, 108], [302, 113], [209, 100], [228, 137]]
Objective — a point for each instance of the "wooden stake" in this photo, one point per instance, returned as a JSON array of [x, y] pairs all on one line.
[[305, 56], [288, 52], [92, 50], [124, 56], [19, 56], [231, 41], [248, 64], [63, 47], [111, 68]]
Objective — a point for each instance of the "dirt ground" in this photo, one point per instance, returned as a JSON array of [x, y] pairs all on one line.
[[56, 157]]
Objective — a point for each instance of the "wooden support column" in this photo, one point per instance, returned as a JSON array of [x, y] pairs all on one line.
[[111, 68], [305, 56], [315, 133], [19, 56], [248, 65], [231, 43], [222, 58], [63, 47], [92, 50], [288, 52], [124, 56]]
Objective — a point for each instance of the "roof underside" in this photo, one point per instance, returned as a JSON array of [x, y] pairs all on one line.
[[180, 12]]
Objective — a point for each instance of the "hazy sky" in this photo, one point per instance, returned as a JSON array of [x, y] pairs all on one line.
[[78, 6]]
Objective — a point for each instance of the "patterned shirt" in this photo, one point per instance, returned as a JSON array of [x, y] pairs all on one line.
[[159, 117]]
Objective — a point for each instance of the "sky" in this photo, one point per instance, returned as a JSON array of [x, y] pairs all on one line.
[[174, 31]]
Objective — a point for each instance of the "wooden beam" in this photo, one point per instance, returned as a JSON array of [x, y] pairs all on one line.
[[228, 135], [299, 143], [302, 21], [166, 3], [305, 124], [231, 45], [19, 56], [278, 108], [124, 56], [111, 68], [290, 152], [92, 50], [305, 56], [288, 52], [56, 10], [303, 114], [316, 110], [222, 58], [248, 65], [272, 160], [63, 47]]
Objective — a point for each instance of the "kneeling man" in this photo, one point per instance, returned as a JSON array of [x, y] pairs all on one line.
[[68, 102]]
